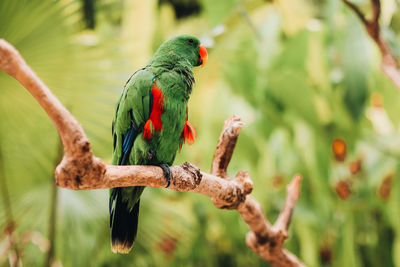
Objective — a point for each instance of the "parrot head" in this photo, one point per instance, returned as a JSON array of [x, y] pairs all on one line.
[[186, 47]]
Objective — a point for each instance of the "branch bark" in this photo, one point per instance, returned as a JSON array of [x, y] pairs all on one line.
[[80, 169], [389, 63], [264, 239]]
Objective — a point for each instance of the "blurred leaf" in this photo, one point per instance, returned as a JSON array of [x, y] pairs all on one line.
[[355, 68]]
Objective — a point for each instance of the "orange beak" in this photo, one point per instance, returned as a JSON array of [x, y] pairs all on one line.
[[203, 55]]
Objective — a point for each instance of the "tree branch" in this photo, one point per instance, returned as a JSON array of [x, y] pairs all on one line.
[[293, 194], [80, 169], [358, 12], [389, 63], [264, 239]]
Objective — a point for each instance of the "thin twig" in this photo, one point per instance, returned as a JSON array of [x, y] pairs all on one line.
[[356, 10], [243, 12], [293, 194], [376, 10], [10, 222], [4, 191], [389, 63], [225, 146], [53, 212]]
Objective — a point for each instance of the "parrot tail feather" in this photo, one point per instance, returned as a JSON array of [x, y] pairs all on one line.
[[123, 225]]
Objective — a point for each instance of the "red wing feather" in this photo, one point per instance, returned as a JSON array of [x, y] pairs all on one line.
[[189, 133], [154, 123]]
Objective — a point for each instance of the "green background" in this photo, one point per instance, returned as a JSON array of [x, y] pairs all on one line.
[[300, 74]]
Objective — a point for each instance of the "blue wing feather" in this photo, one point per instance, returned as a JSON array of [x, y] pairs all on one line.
[[127, 145], [131, 136]]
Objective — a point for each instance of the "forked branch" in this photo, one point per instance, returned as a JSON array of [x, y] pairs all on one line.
[[389, 63], [80, 169], [264, 239]]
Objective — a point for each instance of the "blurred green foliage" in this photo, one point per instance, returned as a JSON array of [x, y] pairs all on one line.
[[300, 73]]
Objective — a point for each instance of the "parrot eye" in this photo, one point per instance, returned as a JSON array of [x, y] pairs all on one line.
[[190, 41]]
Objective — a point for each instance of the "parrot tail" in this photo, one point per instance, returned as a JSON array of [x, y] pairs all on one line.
[[123, 223]]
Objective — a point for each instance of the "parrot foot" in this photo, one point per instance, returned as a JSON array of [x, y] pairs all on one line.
[[167, 173], [150, 155]]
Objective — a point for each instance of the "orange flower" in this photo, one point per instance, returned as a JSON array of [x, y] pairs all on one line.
[[376, 100], [339, 149], [277, 181], [355, 166], [343, 190], [168, 245], [386, 187]]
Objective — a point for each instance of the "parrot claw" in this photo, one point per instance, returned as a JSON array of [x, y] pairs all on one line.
[[167, 173], [150, 155]]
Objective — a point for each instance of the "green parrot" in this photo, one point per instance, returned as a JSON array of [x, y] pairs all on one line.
[[150, 125]]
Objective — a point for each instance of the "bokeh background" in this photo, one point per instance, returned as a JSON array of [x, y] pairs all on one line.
[[303, 75]]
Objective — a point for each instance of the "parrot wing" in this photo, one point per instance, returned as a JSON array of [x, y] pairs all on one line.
[[132, 112]]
